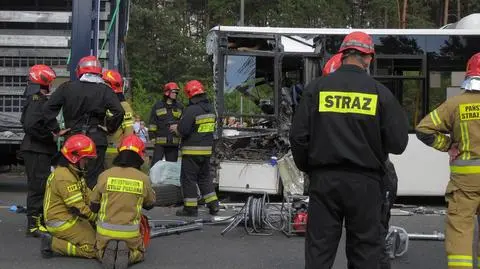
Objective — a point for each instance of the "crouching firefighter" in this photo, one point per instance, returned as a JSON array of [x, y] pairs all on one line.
[[115, 81], [118, 197], [196, 128], [38, 145], [66, 212], [84, 103], [459, 116]]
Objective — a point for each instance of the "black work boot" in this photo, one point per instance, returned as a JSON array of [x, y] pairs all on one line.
[[213, 207], [109, 254], [46, 246], [187, 211], [122, 255], [35, 227]]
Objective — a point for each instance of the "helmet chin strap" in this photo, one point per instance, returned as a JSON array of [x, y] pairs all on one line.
[[365, 64]]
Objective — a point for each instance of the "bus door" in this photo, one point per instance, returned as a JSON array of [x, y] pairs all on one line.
[[406, 77]]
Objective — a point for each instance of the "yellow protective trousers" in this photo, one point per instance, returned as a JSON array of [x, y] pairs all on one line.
[[135, 245], [77, 241], [460, 224]]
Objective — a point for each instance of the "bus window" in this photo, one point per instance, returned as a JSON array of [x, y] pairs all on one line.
[[248, 87]]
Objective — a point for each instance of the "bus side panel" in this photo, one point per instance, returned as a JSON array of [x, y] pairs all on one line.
[[422, 171]]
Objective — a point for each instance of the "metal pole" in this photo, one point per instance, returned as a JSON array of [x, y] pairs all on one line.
[[242, 12]]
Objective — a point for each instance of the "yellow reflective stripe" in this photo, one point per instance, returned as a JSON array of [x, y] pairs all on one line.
[[190, 203], [465, 169], [206, 128], [177, 114], [112, 150], [152, 127], [73, 199], [348, 102], [127, 123], [92, 217], [196, 152], [205, 120], [440, 141], [139, 211], [160, 140], [460, 261], [103, 207], [435, 118], [465, 141], [48, 194], [126, 185], [67, 225], [117, 234], [69, 246], [210, 197], [175, 140], [109, 113], [161, 111]]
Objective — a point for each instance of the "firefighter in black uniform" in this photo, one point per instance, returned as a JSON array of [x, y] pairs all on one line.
[[85, 102], [342, 132], [163, 121], [196, 128], [38, 145]]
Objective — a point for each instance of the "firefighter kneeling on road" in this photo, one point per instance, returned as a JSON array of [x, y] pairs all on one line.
[[115, 81], [118, 197], [459, 116], [196, 128], [66, 212]]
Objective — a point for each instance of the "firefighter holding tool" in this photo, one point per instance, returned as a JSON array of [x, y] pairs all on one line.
[[118, 197], [66, 208], [454, 127], [343, 130], [38, 145], [115, 81]]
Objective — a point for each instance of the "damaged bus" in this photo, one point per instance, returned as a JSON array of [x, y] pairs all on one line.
[[260, 72]]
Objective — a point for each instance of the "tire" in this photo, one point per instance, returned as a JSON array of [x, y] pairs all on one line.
[[167, 195]]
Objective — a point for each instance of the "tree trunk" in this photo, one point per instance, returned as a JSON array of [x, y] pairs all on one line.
[[459, 8], [445, 12], [404, 14], [399, 14]]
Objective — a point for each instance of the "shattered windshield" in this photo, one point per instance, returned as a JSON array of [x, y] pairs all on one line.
[[248, 87]]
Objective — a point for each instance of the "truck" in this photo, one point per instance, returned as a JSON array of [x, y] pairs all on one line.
[[56, 33], [260, 72]]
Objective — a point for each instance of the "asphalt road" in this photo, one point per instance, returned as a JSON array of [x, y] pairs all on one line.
[[201, 249]]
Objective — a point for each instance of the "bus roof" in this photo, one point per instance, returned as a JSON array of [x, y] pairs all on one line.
[[341, 31]]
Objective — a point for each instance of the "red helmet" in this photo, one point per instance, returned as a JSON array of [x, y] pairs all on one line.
[[473, 66], [333, 64], [89, 64], [41, 74], [114, 80], [169, 87], [77, 147], [193, 87], [358, 41], [133, 143]]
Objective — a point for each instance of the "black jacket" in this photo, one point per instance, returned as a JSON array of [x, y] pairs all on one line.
[[84, 103], [162, 116], [347, 120], [196, 127], [37, 138]]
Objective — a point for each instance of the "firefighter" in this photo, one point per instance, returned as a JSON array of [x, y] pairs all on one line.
[[342, 132], [459, 117], [38, 145], [84, 103], [128, 189], [66, 211], [163, 121], [196, 129], [115, 81], [390, 179]]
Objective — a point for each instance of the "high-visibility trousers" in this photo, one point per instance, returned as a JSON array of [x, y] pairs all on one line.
[[459, 226], [77, 241], [135, 245]]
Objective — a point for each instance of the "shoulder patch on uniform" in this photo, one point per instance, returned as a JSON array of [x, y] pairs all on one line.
[[469, 111], [35, 97], [348, 102]]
